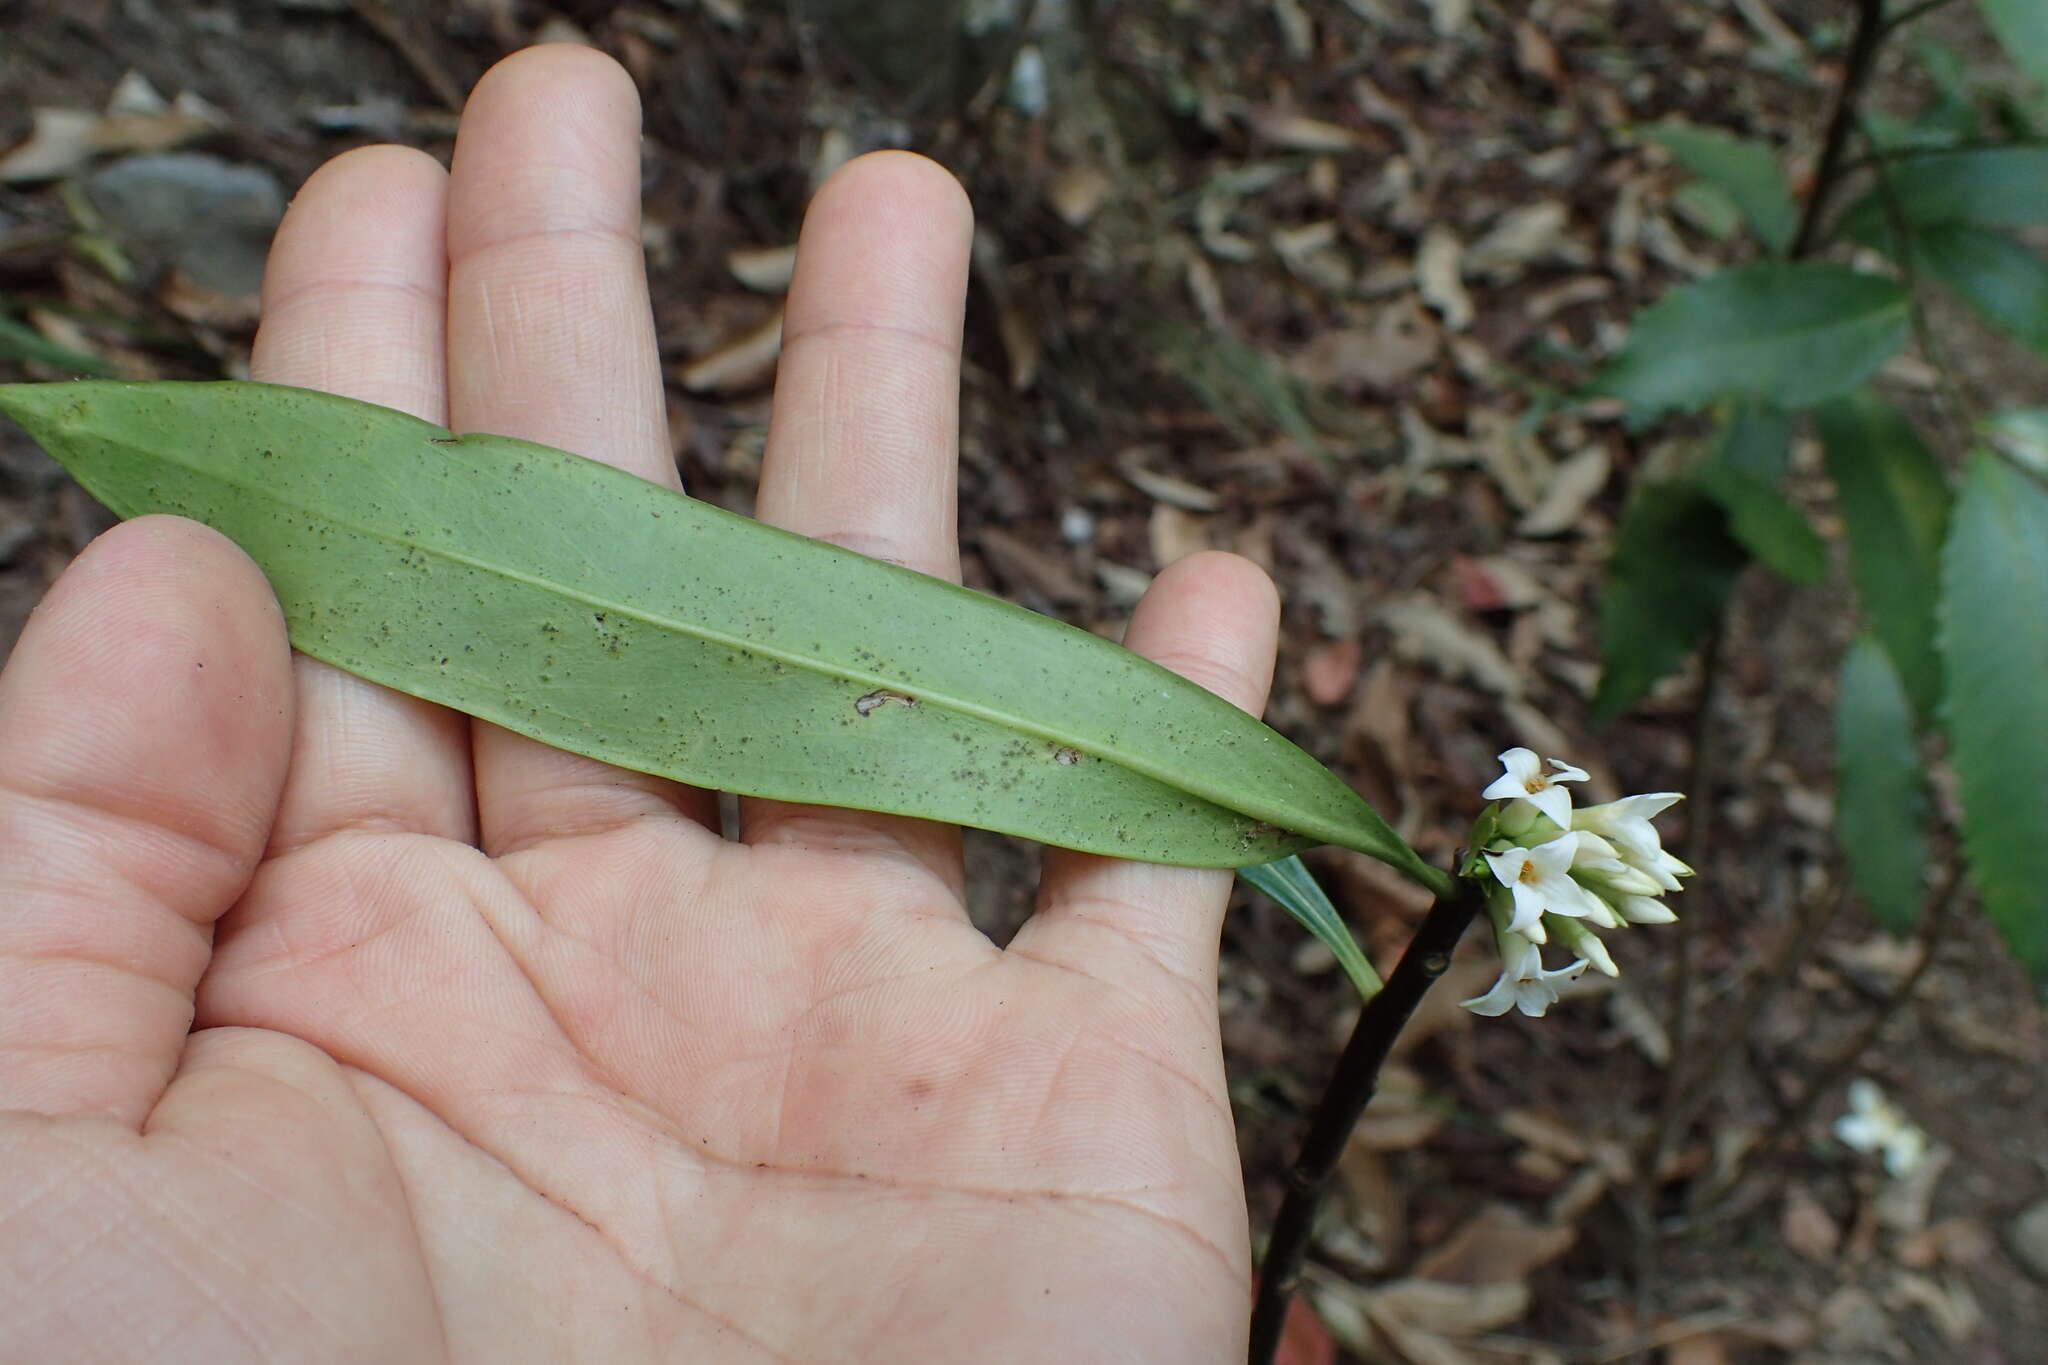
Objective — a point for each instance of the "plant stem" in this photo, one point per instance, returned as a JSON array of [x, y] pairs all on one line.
[[1349, 1091], [1912, 12], [1862, 63]]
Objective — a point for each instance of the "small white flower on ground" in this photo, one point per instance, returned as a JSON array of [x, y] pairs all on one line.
[[1541, 880], [1525, 778], [1875, 1124], [1524, 985]]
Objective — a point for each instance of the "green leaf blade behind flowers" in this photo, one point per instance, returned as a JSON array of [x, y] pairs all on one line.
[[1894, 504], [1673, 567], [2022, 29], [1987, 186], [1747, 171], [1766, 523], [1294, 889], [578, 605], [1787, 335], [1994, 642], [1991, 272], [1881, 802]]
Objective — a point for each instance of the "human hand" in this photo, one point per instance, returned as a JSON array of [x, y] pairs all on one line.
[[337, 1026]]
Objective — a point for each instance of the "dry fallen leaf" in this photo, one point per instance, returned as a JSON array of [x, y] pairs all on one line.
[[1577, 481], [1500, 1244], [1402, 341], [60, 141], [1330, 669], [1806, 1227], [1176, 533], [742, 362], [1438, 277], [763, 269], [1078, 194]]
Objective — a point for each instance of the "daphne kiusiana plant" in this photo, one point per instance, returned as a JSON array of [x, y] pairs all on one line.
[[1556, 874]]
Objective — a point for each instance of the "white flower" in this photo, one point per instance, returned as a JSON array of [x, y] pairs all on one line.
[[1582, 943], [1542, 882], [1875, 1124], [1523, 984], [1627, 823], [1643, 910], [1525, 778]]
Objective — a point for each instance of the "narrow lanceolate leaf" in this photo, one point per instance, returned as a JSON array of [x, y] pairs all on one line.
[[1785, 334], [1894, 503], [1994, 641], [2003, 280], [1765, 522], [571, 602], [1747, 171], [1295, 889], [1881, 792], [1674, 565], [2022, 28]]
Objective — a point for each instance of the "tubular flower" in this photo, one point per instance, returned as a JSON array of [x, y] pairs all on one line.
[[1875, 1124], [1524, 984], [1524, 777], [1563, 873], [1626, 825], [1541, 881]]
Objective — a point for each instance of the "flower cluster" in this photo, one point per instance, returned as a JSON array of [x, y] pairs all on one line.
[[1562, 873]]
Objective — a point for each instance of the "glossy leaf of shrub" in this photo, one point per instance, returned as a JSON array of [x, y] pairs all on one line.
[[1881, 800], [2001, 279], [1785, 334], [1294, 889], [1747, 171], [1756, 440], [1894, 503], [1766, 524], [574, 603], [1988, 186], [1674, 565], [2022, 29], [1994, 640]]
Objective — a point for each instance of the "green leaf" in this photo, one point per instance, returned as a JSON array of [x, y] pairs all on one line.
[[1988, 186], [1881, 800], [1768, 526], [2022, 434], [1994, 639], [1756, 440], [596, 612], [1894, 503], [1789, 335], [2022, 29], [1747, 171], [19, 341], [1294, 888], [1674, 565], [1992, 273]]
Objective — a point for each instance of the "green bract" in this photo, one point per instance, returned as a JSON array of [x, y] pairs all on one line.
[[589, 609]]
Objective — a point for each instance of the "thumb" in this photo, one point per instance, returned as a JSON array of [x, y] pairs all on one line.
[[145, 727]]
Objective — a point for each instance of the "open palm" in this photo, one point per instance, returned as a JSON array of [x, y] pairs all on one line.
[[335, 1026]]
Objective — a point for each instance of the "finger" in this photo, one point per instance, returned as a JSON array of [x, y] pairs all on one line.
[[1212, 618], [863, 443], [353, 303], [551, 339], [145, 728]]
